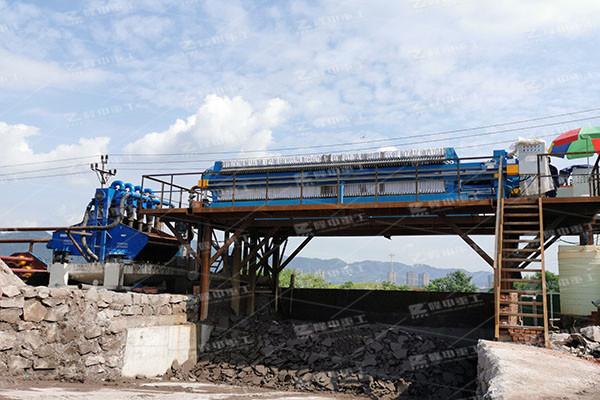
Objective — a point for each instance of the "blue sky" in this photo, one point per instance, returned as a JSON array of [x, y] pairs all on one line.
[[79, 79]]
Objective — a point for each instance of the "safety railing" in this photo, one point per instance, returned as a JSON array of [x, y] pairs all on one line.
[[592, 177], [471, 176]]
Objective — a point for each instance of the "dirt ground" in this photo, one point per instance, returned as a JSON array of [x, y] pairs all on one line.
[[147, 390]]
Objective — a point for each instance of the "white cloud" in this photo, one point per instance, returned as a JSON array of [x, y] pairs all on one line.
[[16, 148], [20, 72], [220, 123]]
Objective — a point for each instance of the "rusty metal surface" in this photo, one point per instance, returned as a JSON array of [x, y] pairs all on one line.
[[477, 217]]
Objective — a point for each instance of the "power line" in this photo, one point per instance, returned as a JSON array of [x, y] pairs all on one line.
[[43, 169], [49, 161], [336, 145], [363, 148], [388, 139], [44, 176]]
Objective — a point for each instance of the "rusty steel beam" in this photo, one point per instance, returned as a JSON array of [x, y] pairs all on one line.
[[295, 253], [10, 258], [256, 248], [181, 240], [25, 240], [233, 237], [205, 273], [469, 241]]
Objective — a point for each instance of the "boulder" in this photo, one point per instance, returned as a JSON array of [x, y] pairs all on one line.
[[11, 291], [10, 315], [7, 277], [34, 311]]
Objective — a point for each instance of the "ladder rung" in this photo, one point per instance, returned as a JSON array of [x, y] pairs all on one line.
[[521, 240], [523, 303], [520, 291], [517, 314], [521, 250], [515, 205], [522, 232], [522, 259], [535, 328], [521, 270], [521, 280], [521, 215], [521, 223]]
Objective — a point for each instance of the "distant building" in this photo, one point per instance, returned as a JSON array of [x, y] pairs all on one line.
[[320, 273], [411, 278], [423, 279], [392, 275]]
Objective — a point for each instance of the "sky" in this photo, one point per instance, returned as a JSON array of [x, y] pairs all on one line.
[[208, 80]]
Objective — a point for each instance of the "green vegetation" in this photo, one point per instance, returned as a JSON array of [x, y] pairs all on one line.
[[305, 281], [311, 281], [456, 281], [551, 283]]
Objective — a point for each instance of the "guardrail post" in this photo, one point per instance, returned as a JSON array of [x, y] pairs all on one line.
[[417, 182]]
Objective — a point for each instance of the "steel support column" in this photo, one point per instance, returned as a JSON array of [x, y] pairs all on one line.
[[205, 272]]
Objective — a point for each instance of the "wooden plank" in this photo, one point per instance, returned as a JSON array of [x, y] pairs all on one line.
[[519, 314], [533, 327], [521, 270], [544, 298]]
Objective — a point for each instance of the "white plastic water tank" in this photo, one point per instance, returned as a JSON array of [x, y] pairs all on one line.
[[579, 278]]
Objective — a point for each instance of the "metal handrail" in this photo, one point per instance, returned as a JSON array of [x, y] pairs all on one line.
[[334, 175]]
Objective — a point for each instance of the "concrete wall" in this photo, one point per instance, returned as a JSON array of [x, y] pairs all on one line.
[[74, 334]]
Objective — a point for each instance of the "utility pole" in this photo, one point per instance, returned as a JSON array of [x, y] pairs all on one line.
[[103, 173]]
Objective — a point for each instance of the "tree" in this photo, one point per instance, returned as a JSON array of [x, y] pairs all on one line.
[[347, 285], [305, 281], [387, 285], [552, 285], [456, 281]]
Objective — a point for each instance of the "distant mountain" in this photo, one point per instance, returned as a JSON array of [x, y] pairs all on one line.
[[338, 271], [39, 249]]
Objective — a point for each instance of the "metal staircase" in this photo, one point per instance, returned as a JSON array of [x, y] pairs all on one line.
[[520, 313]]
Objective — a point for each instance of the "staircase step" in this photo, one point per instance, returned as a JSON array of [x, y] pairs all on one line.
[[522, 215], [520, 291], [523, 303], [520, 280], [527, 233], [521, 240], [521, 270], [522, 259], [535, 328], [521, 250], [518, 314], [521, 223], [516, 205]]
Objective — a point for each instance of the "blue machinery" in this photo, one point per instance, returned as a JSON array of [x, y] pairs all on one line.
[[402, 175], [113, 229]]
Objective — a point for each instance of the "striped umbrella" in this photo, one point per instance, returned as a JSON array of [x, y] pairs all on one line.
[[585, 140]]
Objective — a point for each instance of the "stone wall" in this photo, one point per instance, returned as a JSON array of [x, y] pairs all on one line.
[[75, 334]]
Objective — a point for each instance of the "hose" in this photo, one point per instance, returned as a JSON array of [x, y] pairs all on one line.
[[116, 222]]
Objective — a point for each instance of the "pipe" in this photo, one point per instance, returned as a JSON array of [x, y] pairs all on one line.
[[120, 184], [116, 222]]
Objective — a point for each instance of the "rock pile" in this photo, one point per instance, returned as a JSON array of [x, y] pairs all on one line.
[[346, 355], [585, 344], [74, 334]]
